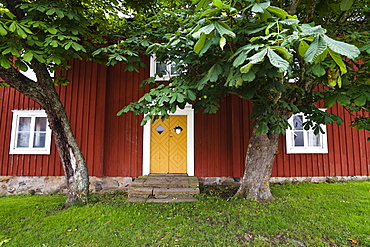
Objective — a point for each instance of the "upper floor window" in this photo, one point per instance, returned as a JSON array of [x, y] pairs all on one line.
[[299, 140], [163, 71], [31, 133]]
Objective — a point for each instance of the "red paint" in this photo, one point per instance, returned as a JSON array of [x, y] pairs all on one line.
[[113, 145]]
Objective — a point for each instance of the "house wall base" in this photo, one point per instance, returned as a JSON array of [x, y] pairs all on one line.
[[52, 184]]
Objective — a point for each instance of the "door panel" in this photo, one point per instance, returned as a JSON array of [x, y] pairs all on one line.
[[168, 149]]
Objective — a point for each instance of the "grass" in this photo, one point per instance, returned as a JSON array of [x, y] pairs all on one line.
[[302, 215]]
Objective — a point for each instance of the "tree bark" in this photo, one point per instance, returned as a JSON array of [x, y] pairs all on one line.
[[261, 153], [43, 92]]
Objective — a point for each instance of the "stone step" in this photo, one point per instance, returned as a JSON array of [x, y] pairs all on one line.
[[144, 191], [163, 188], [136, 199], [166, 182]]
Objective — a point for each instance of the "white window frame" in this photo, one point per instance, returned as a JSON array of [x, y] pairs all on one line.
[[153, 70], [17, 114], [290, 135]]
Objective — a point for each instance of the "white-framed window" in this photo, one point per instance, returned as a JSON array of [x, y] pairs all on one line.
[[166, 69], [299, 140], [31, 133]]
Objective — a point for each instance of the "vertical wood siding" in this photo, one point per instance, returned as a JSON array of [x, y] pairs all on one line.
[[123, 144], [113, 145], [83, 99]]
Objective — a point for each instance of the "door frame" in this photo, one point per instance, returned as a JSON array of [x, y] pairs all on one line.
[[189, 112]]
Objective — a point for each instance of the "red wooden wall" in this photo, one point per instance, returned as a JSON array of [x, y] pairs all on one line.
[[113, 145]]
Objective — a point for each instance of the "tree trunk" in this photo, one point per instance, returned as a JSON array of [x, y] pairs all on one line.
[[43, 92], [261, 153]]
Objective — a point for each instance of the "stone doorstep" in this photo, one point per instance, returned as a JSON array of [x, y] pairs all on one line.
[[162, 192], [140, 191], [175, 191], [166, 182], [136, 199]]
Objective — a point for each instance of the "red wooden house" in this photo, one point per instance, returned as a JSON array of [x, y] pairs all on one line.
[[116, 149]]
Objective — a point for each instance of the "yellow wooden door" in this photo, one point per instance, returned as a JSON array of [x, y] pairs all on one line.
[[168, 148]]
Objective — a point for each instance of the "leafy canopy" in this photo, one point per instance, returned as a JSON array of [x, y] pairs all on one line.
[[251, 49]]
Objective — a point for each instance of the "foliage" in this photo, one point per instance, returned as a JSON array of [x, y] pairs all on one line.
[[53, 32], [281, 62], [303, 214]]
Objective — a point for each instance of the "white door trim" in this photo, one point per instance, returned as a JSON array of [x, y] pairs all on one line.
[[189, 112]]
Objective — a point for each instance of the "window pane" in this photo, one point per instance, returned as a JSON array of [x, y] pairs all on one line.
[[39, 140], [161, 68], [174, 72], [24, 124], [298, 122], [40, 124], [313, 140], [298, 139], [23, 140]]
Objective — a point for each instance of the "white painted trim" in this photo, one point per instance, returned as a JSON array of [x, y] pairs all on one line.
[[13, 138], [189, 112], [291, 149]]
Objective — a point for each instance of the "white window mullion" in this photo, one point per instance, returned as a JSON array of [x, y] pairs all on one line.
[[32, 132]]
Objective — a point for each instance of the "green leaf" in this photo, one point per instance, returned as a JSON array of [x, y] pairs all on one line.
[[200, 44], [223, 29], [28, 56], [250, 76], [343, 100], [303, 46], [258, 57], [240, 59], [283, 51], [191, 95], [12, 27], [148, 97], [339, 81], [21, 33], [262, 128], [277, 61], [342, 48], [180, 98], [307, 30], [209, 12], [330, 100], [346, 4], [257, 8], [317, 47], [200, 5], [204, 30], [78, 47], [282, 14], [5, 63], [222, 42], [361, 100], [338, 60], [52, 30], [218, 3], [318, 70], [332, 82], [246, 68], [59, 13], [50, 11], [3, 31]]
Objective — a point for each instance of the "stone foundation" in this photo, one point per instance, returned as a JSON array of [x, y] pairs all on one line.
[[51, 184]]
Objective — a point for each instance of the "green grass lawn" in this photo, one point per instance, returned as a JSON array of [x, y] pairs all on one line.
[[302, 215]]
